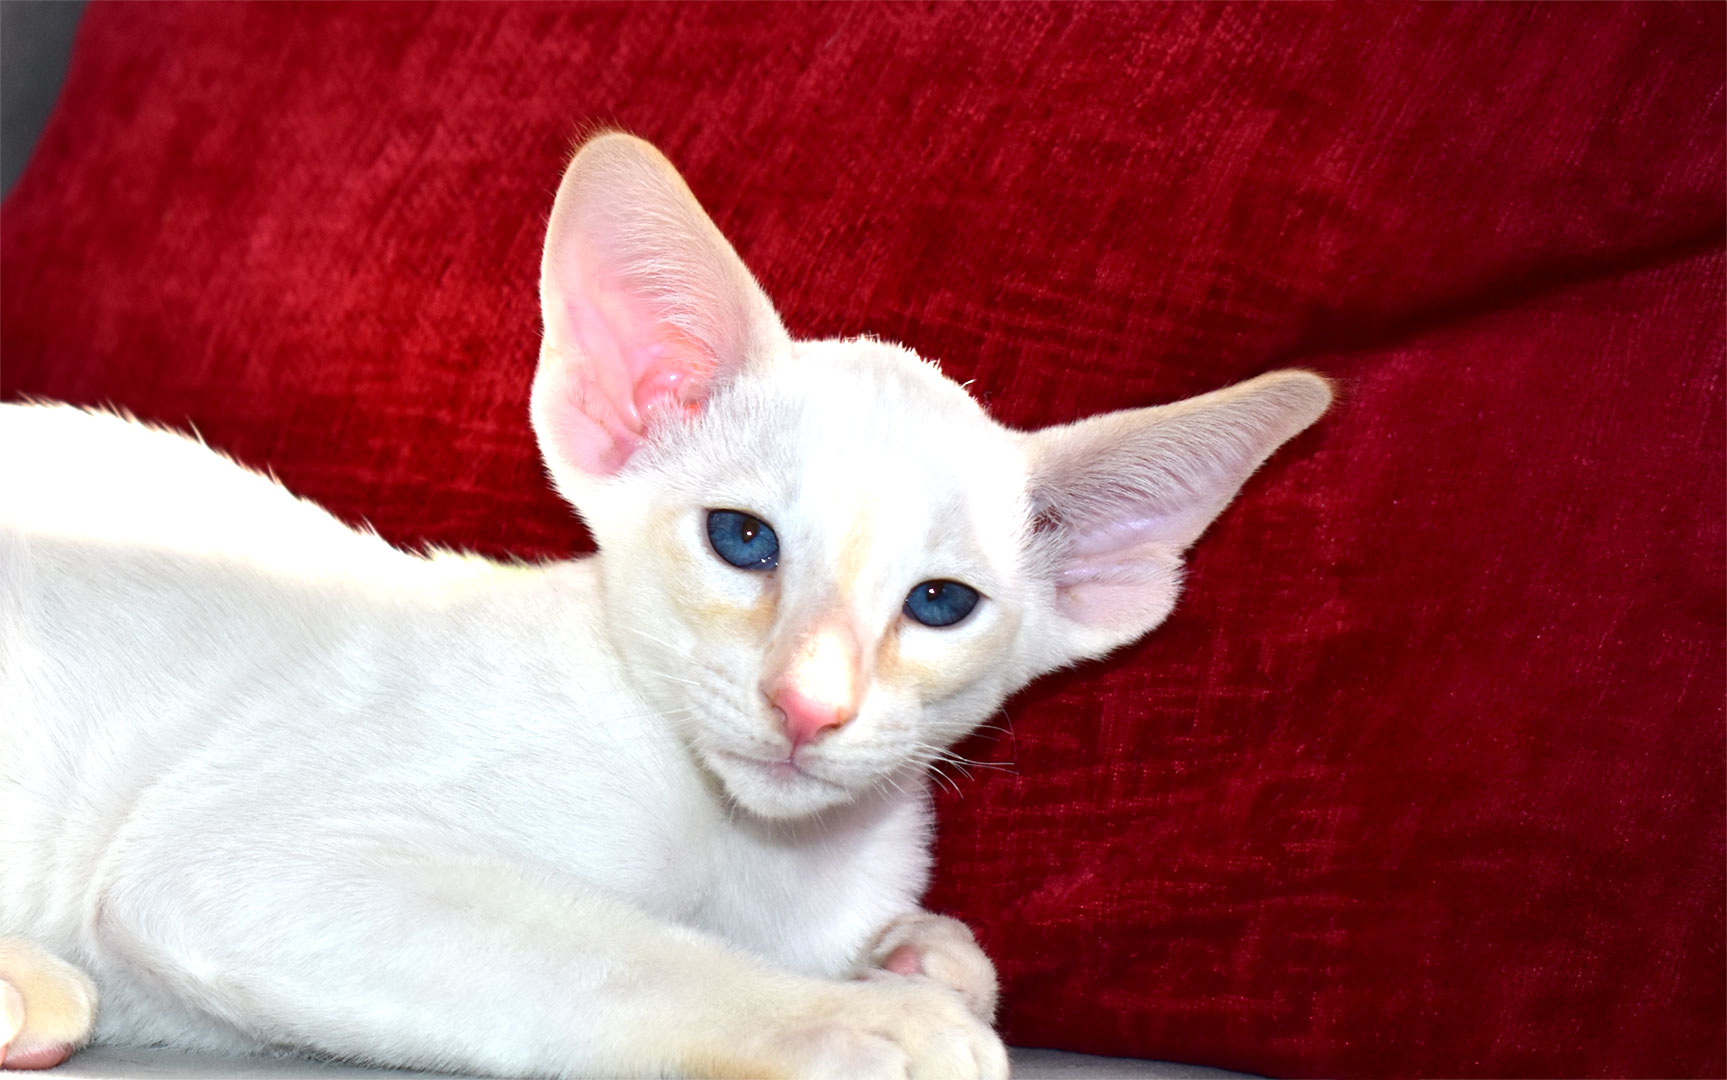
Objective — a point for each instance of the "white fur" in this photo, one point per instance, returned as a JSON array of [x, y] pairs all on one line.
[[275, 784]]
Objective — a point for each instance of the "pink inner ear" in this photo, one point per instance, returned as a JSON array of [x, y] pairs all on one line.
[[1126, 587], [669, 387], [631, 363], [585, 433]]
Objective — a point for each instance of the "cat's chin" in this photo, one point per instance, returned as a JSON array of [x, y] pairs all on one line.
[[774, 789]]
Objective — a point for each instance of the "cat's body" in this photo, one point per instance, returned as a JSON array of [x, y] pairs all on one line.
[[330, 664], [272, 783], [359, 678]]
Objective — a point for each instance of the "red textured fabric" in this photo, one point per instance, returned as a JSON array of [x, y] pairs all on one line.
[[1425, 775]]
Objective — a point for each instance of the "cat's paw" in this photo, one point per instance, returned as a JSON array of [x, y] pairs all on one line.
[[943, 949], [894, 1029], [47, 1007]]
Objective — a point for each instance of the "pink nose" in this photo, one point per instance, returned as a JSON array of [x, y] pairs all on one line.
[[804, 716]]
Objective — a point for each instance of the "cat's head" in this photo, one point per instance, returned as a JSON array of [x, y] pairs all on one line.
[[822, 560]]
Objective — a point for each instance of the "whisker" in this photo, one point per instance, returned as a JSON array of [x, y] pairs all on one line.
[[967, 763], [669, 677], [933, 756], [1003, 728], [668, 714], [945, 754], [652, 638], [944, 778], [886, 779]]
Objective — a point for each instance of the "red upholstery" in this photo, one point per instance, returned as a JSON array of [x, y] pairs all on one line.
[[1425, 775]]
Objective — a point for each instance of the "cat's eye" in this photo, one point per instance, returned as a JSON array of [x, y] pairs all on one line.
[[745, 541], [940, 603]]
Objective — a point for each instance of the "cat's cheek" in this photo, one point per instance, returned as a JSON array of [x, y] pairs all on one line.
[[742, 621], [716, 603], [928, 665]]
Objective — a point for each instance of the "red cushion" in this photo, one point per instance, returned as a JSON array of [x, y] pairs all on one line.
[[1425, 775]]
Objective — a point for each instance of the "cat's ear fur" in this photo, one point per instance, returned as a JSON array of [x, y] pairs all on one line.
[[646, 307], [1119, 497]]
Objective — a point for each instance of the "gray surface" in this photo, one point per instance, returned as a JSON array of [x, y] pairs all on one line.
[[35, 44], [114, 1063], [1054, 1064], [124, 1063]]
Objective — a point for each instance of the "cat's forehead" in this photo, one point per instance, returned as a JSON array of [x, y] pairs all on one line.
[[884, 418], [889, 378], [851, 430]]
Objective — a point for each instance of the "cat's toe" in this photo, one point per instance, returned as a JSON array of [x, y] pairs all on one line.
[[894, 1029], [943, 949], [45, 1057], [942, 1038], [14, 1055], [47, 1007]]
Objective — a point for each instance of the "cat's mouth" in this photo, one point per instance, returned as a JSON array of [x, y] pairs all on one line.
[[783, 769], [776, 787]]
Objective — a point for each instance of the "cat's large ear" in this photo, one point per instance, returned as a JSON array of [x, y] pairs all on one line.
[[646, 307], [1119, 497]]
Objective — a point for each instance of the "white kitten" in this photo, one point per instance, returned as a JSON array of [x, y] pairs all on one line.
[[272, 783]]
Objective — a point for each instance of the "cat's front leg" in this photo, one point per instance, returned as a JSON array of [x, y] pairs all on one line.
[[943, 949], [476, 966]]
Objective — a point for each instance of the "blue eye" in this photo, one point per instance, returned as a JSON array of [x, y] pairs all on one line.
[[746, 542], [940, 603]]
